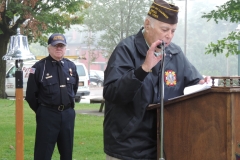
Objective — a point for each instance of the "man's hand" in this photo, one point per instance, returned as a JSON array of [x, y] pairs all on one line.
[[207, 79], [151, 60]]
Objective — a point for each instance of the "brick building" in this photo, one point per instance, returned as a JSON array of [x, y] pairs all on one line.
[[89, 54]]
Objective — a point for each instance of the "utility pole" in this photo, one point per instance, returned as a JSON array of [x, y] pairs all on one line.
[[238, 30], [185, 30]]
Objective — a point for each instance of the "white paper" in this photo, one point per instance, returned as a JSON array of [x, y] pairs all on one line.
[[199, 87]]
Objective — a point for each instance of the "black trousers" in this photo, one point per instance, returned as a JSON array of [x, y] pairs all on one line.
[[54, 127]]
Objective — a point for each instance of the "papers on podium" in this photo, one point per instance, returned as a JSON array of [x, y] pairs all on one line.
[[199, 87]]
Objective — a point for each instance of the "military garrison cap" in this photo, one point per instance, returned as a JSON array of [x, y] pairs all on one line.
[[164, 12]]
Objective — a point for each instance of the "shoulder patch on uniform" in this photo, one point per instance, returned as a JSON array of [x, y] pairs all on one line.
[[32, 70]]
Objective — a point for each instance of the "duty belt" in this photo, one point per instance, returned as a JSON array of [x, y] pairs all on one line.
[[58, 107]]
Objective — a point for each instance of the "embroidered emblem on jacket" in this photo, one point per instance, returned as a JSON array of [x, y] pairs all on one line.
[[170, 78]]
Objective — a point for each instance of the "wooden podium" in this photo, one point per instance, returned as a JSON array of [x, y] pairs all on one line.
[[202, 126]]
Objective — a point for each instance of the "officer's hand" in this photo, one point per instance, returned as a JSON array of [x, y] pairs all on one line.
[[151, 60]]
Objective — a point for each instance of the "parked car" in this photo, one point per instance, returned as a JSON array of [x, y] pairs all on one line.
[[10, 88], [84, 82], [96, 77]]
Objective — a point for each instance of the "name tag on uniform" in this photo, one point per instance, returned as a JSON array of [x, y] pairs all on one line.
[[48, 77]]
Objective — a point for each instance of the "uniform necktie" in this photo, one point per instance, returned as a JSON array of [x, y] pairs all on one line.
[[62, 82]]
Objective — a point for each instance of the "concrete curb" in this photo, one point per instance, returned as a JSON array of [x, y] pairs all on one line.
[[90, 112]]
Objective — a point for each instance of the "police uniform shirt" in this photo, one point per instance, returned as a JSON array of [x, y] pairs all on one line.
[[43, 82]]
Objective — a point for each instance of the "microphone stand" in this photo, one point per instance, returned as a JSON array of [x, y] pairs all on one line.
[[162, 101]]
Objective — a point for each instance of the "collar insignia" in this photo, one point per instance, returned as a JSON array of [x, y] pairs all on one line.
[[70, 71]]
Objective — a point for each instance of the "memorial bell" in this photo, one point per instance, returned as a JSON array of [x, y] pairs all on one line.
[[18, 48]]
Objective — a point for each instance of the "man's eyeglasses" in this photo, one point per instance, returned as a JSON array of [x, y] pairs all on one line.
[[59, 45]]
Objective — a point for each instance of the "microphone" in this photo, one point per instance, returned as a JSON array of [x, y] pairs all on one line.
[[160, 46]]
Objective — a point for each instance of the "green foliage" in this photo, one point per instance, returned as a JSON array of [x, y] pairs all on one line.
[[229, 12], [36, 19], [199, 34], [227, 43]]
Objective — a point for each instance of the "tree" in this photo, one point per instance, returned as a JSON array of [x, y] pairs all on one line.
[[200, 33], [114, 20], [228, 11], [36, 19]]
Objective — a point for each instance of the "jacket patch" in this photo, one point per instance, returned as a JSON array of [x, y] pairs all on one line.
[[170, 78], [32, 70]]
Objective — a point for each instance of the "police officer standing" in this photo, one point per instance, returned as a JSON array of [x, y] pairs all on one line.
[[51, 88]]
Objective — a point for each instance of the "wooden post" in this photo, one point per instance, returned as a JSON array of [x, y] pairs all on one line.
[[19, 116]]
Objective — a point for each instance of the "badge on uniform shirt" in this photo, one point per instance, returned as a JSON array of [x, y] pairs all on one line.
[[170, 78], [70, 71], [32, 70], [48, 76]]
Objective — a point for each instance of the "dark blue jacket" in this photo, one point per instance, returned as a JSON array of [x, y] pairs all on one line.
[[129, 129], [43, 82]]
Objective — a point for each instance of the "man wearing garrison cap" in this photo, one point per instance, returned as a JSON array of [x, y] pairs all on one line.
[[133, 81]]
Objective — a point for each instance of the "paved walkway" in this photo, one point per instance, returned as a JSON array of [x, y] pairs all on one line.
[[86, 99], [90, 112]]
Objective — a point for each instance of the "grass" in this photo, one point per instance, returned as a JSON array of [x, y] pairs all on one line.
[[88, 134]]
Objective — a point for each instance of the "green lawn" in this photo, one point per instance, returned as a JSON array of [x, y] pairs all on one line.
[[88, 139]]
